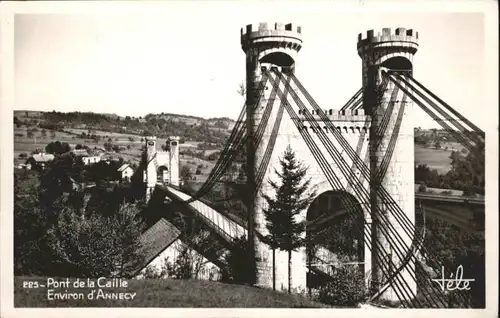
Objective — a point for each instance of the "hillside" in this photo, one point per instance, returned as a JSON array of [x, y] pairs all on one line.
[[165, 293], [191, 128], [200, 137]]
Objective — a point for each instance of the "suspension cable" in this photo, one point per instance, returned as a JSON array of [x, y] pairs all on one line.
[[448, 107], [236, 139], [272, 141], [457, 124], [392, 144], [352, 100], [319, 156], [328, 145], [386, 118], [460, 138], [239, 145], [393, 206]]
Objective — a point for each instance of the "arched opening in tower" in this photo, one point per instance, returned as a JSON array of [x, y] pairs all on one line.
[[334, 235], [280, 60], [162, 174], [399, 64]]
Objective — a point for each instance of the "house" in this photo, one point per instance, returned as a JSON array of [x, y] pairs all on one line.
[[86, 155], [161, 243], [125, 172], [80, 152], [91, 159], [107, 157], [39, 160]]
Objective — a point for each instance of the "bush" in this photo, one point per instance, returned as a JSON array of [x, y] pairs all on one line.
[[182, 267], [422, 188], [347, 287], [152, 273], [238, 270]]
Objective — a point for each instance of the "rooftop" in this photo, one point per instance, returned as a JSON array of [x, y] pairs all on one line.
[[43, 157], [123, 167], [156, 239]]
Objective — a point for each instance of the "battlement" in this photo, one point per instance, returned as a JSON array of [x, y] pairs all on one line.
[[152, 138], [343, 128], [271, 32], [333, 114], [348, 121], [388, 34], [174, 138], [399, 37]]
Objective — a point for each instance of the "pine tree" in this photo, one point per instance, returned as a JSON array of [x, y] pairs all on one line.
[[291, 198]]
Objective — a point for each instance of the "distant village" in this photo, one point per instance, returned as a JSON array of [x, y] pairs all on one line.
[[85, 156]]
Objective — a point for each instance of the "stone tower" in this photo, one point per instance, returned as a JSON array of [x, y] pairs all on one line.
[[168, 160], [150, 173], [173, 144], [265, 45], [390, 50]]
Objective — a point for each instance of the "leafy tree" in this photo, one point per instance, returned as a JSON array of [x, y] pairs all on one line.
[[291, 199], [95, 245], [241, 89], [185, 173], [57, 148], [30, 225], [181, 267], [108, 146]]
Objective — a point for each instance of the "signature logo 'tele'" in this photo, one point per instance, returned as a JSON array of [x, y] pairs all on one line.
[[451, 283]]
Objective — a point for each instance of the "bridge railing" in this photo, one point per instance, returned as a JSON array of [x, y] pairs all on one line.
[[226, 236], [203, 211]]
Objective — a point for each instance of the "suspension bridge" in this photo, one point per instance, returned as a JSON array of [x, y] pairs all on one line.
[[360, 159]]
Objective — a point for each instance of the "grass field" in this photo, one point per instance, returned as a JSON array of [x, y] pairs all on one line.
[[162, 293], [435, 158], [438, 159], [23, 144]]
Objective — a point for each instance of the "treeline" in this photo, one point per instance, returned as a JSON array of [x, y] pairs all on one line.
[[162, 125]]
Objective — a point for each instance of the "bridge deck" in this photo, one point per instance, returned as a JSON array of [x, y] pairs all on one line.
[[448, 198], [226, 225]]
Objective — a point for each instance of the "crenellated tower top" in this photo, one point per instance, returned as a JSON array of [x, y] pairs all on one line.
[[400, 39], [264, 35], [391, 49]]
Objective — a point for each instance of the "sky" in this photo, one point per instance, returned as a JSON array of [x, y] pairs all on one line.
[[187, 58]]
